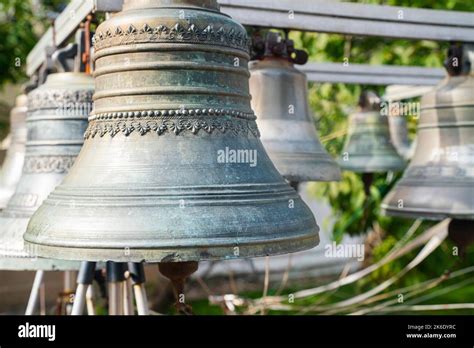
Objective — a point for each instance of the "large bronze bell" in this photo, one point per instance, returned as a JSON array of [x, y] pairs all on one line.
[[13, 163], [56, 121], [368, 147], [172, 168], [439, 181], [280, 101]]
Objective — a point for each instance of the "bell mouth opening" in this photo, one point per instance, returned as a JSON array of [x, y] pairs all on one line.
[[195, 4], [409, 201]]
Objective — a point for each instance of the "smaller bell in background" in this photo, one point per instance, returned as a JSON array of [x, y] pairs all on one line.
[[56, 121], [280, 100], [368, 148], [439, 181], [13, 163]]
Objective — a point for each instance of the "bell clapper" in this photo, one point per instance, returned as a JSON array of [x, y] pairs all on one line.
[[177, 272], [461, 232], [367, 179]]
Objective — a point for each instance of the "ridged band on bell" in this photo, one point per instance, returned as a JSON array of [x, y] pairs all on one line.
[[368, 147], [172, 167], [11, 169], [439, 182], [280, 100], [56, 121]]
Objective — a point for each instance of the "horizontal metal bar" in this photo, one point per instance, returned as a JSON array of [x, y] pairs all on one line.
[[401, 92], [353, 19], [371, 74], [308, 15]]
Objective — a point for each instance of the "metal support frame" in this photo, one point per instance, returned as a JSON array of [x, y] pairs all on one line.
[[90, 300], [35, 293], [84, 281], [372, 74], [307, 15], [128, 308], [353, 19], [137, 276], [123, 282]]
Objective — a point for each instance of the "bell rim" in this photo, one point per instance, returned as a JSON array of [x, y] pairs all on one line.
[[389, 205], [315, 178], [414, 213], [194, 253], [360, 164], [319, 172], [318, 166], [373, 169]]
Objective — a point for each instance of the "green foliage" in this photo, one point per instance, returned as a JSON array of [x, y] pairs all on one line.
[[17, 38], [22, 22], [354, 213]]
